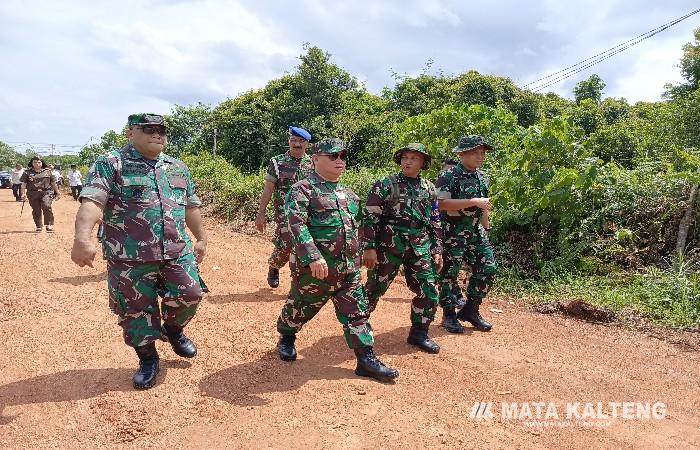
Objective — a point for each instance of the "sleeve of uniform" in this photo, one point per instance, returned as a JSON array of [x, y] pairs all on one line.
[[99, 181], [435, 229], [272, 171], [193, 200], [296, 207], [372, 213]]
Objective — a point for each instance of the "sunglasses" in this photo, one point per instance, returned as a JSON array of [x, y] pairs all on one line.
[[334, 156], [153, 129]]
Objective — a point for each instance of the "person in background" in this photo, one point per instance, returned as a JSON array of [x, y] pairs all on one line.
[[75, 179], [15, 176]]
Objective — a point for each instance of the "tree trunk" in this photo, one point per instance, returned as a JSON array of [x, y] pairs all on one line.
[[684, 226]]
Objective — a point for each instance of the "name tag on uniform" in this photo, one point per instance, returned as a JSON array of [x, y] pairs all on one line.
[[340, 195]]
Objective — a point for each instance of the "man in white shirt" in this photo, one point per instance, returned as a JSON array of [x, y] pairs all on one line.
[[57, 173], [75, 179], [15, 175]]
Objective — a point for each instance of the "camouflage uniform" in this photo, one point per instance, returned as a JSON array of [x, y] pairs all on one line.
[[283, 171], [40, 194], [323, 219], [145, 241], [463, 239], [404, 230]]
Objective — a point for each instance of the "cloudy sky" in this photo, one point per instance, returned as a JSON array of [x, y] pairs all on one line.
[[72, 70]]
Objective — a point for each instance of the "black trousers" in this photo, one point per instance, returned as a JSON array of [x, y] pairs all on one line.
[[75, 191], [17, 191], [41, 204]]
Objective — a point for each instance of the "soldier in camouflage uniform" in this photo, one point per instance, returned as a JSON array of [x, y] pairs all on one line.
[[145, 199], [463, 192], [282, 172], [324, 217], [402, 226]]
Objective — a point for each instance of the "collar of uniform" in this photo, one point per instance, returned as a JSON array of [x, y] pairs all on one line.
[[402, 177], [303, 157], [463, 169], [315, 178]]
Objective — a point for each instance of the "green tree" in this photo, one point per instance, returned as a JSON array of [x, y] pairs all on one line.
[[109, 141], [591, 89], [190, 129], [9, 158]]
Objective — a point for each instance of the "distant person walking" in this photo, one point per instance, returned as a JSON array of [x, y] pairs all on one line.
[[15, 176], [75, 179]]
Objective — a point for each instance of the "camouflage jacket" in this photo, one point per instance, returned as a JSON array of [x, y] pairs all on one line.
[[38, 182], [400, 208], [144, 205], [283, 171], [324, 222], [459, 183]]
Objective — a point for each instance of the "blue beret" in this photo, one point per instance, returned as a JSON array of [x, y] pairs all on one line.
[[300, 132]]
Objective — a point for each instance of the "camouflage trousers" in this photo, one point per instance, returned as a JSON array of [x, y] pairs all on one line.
[[420, 277], [133, 296], [308, 295], [470, 245], [283, 245]]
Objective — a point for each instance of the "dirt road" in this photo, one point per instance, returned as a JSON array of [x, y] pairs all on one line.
[[65, 374]]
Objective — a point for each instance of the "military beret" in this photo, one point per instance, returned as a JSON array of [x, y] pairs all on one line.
[[329, 145], [300, 132], [145, 119], [413, 147], [470, 142]]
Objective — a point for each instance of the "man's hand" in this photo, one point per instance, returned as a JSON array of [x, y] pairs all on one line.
[[483, 203], [319, 269], [83, 253], [260, 221], [200, 249], [437, 258], [369, 258]]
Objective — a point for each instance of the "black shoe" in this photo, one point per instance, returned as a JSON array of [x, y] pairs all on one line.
[[369, 366], [286, 347], [470, 313], [145, 376], [418, 336], [450, 322], [273, 277], [181, 344]]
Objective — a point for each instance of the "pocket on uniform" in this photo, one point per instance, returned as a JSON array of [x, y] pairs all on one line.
[[178, 186], [324, 213], [136, 190]]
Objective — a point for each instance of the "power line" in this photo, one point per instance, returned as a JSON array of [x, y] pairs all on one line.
[[600, 57]]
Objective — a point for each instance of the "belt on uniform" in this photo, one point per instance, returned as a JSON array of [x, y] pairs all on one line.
[[404, 223], [460, 219]]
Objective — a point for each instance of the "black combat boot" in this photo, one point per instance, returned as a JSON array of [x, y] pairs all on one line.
[[470, 313], [450, 322], [369, 366], [286, 347], [181, 344], [145, 377], [273, 277], [460, 302], [418, 336]]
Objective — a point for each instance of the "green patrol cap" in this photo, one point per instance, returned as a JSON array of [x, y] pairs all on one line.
[[329, 145], [413, 147], [470, 142], [145, 119]]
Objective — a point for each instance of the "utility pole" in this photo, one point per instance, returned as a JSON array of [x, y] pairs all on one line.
[[215, 141]]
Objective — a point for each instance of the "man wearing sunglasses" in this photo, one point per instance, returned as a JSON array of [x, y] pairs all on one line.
[[146, 200], [401, 226], [282, 172], [324, 218]]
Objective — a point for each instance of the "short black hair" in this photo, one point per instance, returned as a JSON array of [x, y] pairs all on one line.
[[36, 158]]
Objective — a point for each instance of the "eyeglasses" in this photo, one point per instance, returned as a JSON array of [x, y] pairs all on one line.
[[153, 129], [334, 156]]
